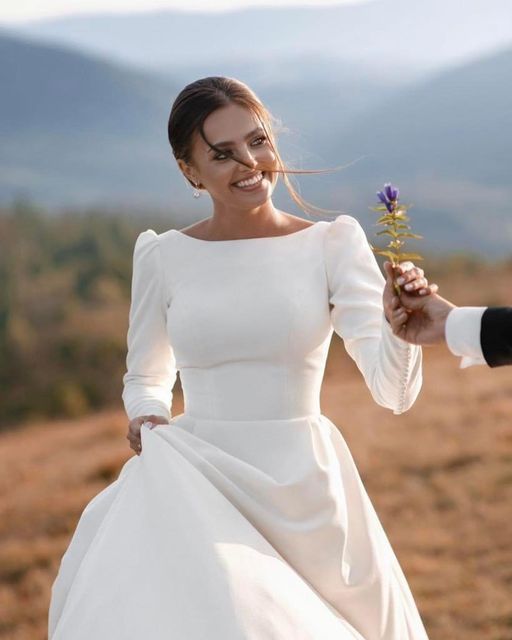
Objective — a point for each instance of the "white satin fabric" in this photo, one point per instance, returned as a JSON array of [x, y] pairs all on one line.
[[244, 517]]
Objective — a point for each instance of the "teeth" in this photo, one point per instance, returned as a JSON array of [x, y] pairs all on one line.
[[247, 183]]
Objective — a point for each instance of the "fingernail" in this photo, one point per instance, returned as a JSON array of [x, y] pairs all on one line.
[[422, 292], [400, 280], [408, 286]]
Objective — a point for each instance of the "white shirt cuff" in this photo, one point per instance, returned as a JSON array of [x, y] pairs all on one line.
[[462, 334]]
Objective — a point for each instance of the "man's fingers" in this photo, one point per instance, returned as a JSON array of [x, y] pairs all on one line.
[[398, 321], [413, 302], [400, 316], [390, 273]]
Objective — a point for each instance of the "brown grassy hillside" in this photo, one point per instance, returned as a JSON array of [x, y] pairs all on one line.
[[440, 477]]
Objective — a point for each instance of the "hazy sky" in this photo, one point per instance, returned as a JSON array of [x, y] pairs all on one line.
[[22, 10]]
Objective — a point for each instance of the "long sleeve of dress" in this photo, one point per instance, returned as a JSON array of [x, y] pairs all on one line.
[[392, 368], [150, 362]]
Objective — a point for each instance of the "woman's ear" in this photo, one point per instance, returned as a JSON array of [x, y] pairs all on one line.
[[187, 170]]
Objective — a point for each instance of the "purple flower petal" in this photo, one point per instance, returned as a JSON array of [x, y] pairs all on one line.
[[388, 190], [383, 198]]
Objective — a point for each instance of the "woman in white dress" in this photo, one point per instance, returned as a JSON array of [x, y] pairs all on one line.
[[244, 517]]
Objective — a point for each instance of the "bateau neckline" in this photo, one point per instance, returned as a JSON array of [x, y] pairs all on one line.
[[285, 235]]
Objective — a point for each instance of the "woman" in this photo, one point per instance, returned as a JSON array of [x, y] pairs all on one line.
[[245, 516]]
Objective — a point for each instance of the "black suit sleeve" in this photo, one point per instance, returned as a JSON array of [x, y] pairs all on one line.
[[496, 336]]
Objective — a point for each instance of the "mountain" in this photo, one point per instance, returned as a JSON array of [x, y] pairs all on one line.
[[99, 132], [80, 131], [449, 141], [396, 38]]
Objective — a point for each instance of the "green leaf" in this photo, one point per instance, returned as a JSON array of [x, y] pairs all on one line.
[[388, 232], [410, 256], [411, 235], [388, 254], [385, 219]]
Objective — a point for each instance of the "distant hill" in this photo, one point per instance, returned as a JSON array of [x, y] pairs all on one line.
[[448, 141], [76, 128], [81, 131], [393, 37], [99, 132]]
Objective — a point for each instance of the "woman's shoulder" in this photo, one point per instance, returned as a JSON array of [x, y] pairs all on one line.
[[146, 251], [345, 231], [147, 237], [344, 222]]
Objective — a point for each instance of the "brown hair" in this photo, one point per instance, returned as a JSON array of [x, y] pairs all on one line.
[[200, 98]]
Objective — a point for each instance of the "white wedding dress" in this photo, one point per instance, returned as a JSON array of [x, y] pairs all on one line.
[[245, 517]]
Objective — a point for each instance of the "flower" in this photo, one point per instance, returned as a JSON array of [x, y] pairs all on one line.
[[389, 197], [394, 219]]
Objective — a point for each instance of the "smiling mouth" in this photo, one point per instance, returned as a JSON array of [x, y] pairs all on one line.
[[252, 181]]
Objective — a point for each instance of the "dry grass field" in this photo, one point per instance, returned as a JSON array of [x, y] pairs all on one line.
[[440, 477]]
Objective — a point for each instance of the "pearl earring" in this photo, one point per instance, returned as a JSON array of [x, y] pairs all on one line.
[[196, 192]]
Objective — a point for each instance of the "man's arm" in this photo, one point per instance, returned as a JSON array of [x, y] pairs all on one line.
[[479, 335], [462, 334], [496, 336]]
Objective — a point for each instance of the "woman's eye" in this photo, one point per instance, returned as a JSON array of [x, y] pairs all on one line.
[[223, 156]]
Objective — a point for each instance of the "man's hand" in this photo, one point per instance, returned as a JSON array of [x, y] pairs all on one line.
[[421, 319], [412, 279]]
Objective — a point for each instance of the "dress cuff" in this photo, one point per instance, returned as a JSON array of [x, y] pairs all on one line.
[[389, 335], [406, 359], [149, 408], [462, 334]]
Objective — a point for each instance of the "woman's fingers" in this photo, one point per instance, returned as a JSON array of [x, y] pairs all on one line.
[[135, 425], [412, 280], [415, 284], [135, 443], [133, 434], [409, 275], [431, 288]]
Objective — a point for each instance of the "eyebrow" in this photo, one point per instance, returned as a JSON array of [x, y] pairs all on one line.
[[226, 143]]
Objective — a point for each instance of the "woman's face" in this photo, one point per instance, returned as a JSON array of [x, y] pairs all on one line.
[[232, 128]]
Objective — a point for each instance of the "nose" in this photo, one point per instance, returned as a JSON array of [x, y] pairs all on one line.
[[246, 156]]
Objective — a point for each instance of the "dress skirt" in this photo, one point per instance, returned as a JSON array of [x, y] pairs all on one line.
[[234, 530]]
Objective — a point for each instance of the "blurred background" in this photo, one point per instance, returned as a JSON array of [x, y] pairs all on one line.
[[419, 95]]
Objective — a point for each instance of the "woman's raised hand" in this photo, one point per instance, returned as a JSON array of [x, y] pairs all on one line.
[[134, 429], [412, 281]]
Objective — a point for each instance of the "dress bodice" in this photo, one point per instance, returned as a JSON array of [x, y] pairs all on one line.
[[248, 323]]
